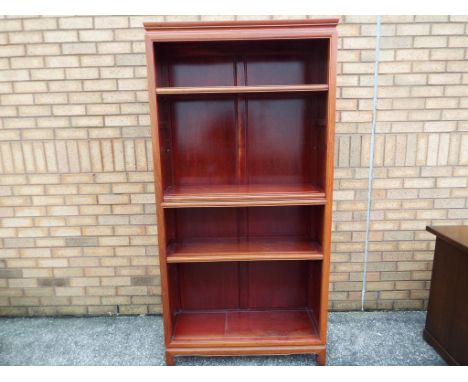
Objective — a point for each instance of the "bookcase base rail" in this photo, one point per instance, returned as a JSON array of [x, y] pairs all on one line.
[[319, 350]]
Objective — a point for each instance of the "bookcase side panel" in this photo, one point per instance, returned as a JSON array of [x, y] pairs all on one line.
[[329, 167], [151, 68]]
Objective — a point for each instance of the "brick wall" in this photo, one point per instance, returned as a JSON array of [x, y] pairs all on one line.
[[77, 222]]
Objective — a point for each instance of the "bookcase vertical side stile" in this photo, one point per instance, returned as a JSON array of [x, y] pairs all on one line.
[[151, 67], [329, 163]]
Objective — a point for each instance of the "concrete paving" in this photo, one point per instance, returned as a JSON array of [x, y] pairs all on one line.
[[355, 338]]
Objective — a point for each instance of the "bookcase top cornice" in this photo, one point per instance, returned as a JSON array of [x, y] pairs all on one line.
[[310, 23]]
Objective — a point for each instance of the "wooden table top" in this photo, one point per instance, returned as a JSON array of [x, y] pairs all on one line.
[[455, 234]]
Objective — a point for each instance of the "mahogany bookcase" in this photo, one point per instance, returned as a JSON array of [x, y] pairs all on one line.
[[243, 117]]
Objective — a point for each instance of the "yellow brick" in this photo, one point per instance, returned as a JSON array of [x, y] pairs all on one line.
[[37, 272], [430, 41], [97, 231], [67, 272], [32, 232], [96, 35], [101, 291], [98, 60], [116, 300], [99, 271], [17, 222], [62, 61], [60, 36], [65, 231], [129, 230], [21, 263], [102, 310], [69, 291], [447, 29], [24, 301], [95, 210], [39, 292], [85, 301], [75, 22], [61, 189], [115, 281], [413, 29], [84, 281], [84, 262], [52, 263], [71, 310], [62, 210], [49, 222], [66, 252], [114, 262], [98, 251], [127, 209], [54, 301], [41, 23], [22, 283]]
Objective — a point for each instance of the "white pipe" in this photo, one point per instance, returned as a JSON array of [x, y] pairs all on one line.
[[371, 159]]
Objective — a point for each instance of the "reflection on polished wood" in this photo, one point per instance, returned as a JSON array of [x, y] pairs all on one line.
[[238, 327], [242, 89], [242, 195], [249, 249]]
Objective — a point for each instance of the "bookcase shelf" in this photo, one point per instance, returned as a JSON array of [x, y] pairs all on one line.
[[248, 249], [242, 89], [240, 327], [242, 117], [242, 195]]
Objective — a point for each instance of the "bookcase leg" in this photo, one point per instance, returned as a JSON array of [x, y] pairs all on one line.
[[322, 358], [170, 359]]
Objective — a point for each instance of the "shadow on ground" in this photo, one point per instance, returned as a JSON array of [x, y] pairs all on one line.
[[354, 338]]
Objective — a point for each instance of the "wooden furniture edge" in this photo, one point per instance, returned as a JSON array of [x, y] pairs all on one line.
[[319, 350], [252, 203], [238, 31], [151, 26], [247, 344], [177, 259], [431, 340], [329, 179], [440, 235], [311, 88], [157, 174], [243, 199]]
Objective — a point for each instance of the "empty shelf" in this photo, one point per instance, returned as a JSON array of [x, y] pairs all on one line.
[[245, 326], [252, 249], [241, 89], [242, 195]]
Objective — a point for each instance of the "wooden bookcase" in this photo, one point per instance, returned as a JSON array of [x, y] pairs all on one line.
[[243, 118]]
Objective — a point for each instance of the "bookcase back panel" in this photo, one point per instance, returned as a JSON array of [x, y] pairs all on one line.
[[280, 147], [203, 71], [314, 289], [277, 285], [238, 63], [255, 139], [196, 223], [208, 285], [203, 142], [245, 285], [244, 222], [268, 70], [278, 221]]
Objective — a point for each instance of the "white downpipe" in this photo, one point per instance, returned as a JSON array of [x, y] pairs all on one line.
[[371, 158]]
